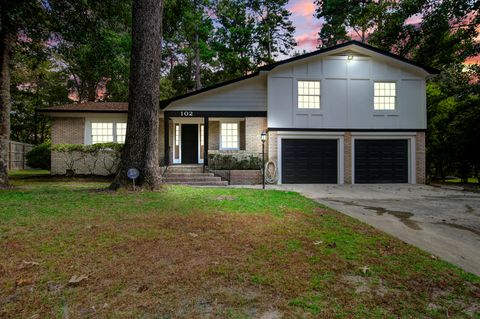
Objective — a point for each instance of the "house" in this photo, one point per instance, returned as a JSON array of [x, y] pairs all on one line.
[[348, 114]]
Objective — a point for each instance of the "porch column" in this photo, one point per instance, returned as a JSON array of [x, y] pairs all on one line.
[[205, 141], [166, 131]]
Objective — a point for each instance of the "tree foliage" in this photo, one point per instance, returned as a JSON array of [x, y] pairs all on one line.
[[454, 114]]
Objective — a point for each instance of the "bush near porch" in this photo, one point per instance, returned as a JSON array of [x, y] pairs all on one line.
[[238, 168]]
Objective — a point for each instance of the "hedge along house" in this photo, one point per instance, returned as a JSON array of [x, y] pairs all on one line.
[[346, 114]]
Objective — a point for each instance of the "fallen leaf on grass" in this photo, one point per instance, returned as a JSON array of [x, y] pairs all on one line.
[[318, 242], [76, 280], [24, 282], [192, 235], [364, 269], [28, 264]]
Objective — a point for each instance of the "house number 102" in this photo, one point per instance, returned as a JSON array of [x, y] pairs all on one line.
[[186, 113]]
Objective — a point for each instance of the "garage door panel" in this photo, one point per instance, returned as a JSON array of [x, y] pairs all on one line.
[[307, 161], [381, 161]]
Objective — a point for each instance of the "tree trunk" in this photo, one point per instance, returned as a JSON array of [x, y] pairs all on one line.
[[5, 51], [141, 143], [198, 82]]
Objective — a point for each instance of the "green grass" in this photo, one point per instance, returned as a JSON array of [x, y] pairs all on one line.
[[471, 180], [25, 173], [187, 252]]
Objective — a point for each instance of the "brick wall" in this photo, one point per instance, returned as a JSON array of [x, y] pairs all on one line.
[[254, 126], [347, 158], [272, 147], [420, 157], [241, 177], [65, 130], [213, 135]]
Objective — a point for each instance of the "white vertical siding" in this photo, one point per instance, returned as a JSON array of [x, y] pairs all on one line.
[[347, 94]]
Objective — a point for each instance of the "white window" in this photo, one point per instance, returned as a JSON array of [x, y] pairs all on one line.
[[121, 132], [229, 136], [105, 132], [177, 134], [308, 94], [385, 95]]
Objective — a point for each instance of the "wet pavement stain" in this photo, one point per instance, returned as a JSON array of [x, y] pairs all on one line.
[[457, 226], [404, 217]]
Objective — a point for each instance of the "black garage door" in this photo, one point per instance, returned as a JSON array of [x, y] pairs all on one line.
[[309, 161], [381, 161]]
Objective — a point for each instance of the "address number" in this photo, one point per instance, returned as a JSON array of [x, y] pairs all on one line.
[[186, 113]]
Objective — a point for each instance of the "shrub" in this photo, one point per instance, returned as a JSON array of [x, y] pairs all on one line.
[[40, 156], [230, 162], [90, 155]]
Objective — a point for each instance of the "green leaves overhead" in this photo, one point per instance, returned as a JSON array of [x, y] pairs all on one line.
[[436, 33]]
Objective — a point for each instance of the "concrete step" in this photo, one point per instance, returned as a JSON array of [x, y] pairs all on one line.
[[200, 183], [192, 178], [183, 169], [170, 174]]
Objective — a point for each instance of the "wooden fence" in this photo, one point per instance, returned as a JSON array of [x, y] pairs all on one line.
[[17, 155]]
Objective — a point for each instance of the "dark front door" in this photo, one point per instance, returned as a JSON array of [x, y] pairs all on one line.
[[307, 161], [381, 161], [189, 144]]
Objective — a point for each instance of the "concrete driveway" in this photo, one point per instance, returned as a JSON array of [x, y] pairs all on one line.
[[445, 223]]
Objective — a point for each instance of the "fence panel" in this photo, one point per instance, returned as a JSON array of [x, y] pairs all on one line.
[[17, 155]]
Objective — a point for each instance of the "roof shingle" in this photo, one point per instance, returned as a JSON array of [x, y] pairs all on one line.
[[104, 107]]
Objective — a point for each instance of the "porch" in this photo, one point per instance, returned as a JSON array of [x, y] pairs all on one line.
[[188, 137]]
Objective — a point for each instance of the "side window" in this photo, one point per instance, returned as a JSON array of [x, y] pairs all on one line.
[[308, 94], [229, 136], [385, 96], [106, 132]]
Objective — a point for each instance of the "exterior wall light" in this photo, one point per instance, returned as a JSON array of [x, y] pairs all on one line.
[[350, 57]]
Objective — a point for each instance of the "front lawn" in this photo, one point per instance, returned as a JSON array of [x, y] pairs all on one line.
[[209, 253]]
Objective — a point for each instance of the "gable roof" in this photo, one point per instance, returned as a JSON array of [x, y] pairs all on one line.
[[94, 107], [271, 66]]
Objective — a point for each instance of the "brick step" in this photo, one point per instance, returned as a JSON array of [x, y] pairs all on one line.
[[200, 183], [192, 178]]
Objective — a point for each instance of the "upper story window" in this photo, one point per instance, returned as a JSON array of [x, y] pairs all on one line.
[[385, 95], [229, 136], [308, 94], [105, 132]]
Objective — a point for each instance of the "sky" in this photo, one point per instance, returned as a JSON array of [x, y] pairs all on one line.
[[307, 27]]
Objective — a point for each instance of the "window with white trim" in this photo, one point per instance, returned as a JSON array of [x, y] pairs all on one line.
[[385, 95], [177, 141], [121, 132], [308, 94], [106, 132], [229, 137]]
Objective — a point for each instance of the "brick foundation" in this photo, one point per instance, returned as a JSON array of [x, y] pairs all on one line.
[[241, 177]]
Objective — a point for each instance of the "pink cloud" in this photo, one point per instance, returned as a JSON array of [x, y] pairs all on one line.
[[304, 8], [307, 41]]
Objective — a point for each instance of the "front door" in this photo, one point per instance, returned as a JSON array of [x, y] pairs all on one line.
[[189, 143]]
